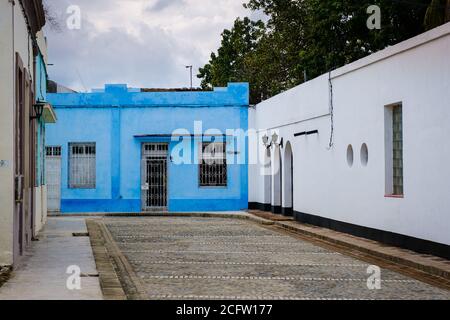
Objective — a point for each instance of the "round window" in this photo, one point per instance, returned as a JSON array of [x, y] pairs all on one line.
[[350, 155], [364, 155]]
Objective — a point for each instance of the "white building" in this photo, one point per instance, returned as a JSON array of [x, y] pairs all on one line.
[[23, 60], [387, 174]]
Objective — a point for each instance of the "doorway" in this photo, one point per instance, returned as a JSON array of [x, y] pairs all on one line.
[[154, 176], [19, 161], [267, 173], [288, 180], [53, 178]]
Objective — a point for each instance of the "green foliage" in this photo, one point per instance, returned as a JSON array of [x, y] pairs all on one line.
[[435, 16], [229, 64], [306, 37]]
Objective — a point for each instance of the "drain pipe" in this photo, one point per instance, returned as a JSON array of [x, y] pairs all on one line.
[[13, 3]]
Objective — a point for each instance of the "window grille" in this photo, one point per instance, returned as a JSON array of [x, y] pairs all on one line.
[[397, 143], [53, 151], [154, 176], [82, 170], [213, 165]]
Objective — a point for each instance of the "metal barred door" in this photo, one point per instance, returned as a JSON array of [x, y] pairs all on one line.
[[154, 177], [53, 178]]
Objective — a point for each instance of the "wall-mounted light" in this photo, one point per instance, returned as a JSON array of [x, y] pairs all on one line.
[[38, 109], [265, 140], [273, 142]]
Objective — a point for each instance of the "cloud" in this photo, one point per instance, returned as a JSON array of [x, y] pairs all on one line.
[[145, 43], [160, 5]]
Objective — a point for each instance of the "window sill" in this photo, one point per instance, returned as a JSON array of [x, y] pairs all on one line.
[[395, 196]]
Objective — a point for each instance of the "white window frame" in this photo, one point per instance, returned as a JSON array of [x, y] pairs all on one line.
[[82, 165], [389, 151]]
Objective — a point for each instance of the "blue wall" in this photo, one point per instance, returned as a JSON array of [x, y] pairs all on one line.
[[41, 95], [119, 120]]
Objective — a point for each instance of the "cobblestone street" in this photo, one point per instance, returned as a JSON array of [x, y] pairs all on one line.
[[204, 258]]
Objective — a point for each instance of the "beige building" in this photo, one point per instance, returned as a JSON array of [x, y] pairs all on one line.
[[24, 112]]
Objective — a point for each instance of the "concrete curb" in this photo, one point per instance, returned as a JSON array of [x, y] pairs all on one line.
[[429, 269], [224, 215], [109, 281]]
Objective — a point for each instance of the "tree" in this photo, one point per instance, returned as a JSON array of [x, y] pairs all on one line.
[[447, 11], [229, 64], [51, 17], [308, 37], [438, 12]]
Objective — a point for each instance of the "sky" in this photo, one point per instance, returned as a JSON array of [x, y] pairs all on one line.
[[143, 43]]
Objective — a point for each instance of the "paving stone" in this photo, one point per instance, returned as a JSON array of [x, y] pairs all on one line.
[[205, 258]]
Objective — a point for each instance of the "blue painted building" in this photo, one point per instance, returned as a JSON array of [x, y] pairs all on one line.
[[132, 150]]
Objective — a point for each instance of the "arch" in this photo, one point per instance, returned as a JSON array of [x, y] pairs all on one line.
[[276, 181], [288, 181], [267, 172]]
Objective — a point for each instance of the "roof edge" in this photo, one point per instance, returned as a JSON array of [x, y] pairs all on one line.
[[409, 44]]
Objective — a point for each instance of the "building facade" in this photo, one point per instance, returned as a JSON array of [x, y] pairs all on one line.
[[24, 113], [121, 149], [48, 117], [364, 148]]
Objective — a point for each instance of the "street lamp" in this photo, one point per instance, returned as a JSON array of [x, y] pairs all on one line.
[[38, 109], [273, 142], [190, 67], [265, 140]]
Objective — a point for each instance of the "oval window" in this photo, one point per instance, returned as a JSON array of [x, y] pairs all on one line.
[[364, 155], [350, 155]]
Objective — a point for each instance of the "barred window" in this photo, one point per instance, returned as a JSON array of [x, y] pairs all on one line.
[[213, 165], [82, 171], [397, 143], [53, 151]]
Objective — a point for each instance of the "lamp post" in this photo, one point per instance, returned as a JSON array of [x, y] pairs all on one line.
[[190, 68]]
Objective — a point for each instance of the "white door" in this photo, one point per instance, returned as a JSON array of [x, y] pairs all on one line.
[[53, 177]]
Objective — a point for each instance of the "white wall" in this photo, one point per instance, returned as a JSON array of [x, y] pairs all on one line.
[[416, 73], [7, 93]]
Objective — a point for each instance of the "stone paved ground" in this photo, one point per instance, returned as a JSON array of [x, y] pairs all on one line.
[[41, 275], [212, 258]]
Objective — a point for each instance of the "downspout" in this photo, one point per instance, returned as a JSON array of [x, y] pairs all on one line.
[[13, 65], [12, 2]]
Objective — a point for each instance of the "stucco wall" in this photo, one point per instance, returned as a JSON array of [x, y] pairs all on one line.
[[9, 44], [118, 120], [416, 73], [40, 209]]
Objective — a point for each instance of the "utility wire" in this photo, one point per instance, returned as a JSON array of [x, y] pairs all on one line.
[[330, 82]]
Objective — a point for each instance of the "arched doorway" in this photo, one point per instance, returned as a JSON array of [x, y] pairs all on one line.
[[267, 172], [276, 181], [288, 181]]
